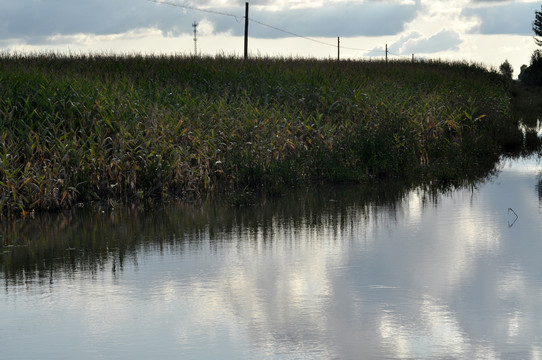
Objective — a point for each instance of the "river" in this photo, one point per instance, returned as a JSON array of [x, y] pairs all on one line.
[[339, 273]]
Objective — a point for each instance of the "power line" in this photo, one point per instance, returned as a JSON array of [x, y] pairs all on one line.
[[291, 33], [237, 18], [389, 52], [309, 38]]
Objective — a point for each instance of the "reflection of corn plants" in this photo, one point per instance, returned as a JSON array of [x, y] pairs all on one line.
[[129, 128]]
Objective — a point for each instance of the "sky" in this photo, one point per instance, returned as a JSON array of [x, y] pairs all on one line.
[[482, 31]]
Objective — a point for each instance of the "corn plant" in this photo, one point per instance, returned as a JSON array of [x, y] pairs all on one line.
[[135, 128]]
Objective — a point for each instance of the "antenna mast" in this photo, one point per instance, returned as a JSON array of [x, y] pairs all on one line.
[[195, 26]]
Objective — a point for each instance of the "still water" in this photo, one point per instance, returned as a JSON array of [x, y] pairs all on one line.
[[332, 274]]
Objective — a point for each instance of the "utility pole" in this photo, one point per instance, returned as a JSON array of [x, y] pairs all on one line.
[[195, 26], [246, 30], [386, 53], [338, 48]]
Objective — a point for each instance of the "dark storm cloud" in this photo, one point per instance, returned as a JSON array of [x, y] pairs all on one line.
[[346, 19], [33, 21], [506, 18]]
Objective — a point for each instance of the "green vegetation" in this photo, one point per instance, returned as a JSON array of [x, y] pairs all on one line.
[[124, 128], [506, 69], [532, 75]]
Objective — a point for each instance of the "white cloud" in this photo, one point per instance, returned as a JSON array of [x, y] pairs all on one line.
[[206, 28], [416, 43], [445, 40]]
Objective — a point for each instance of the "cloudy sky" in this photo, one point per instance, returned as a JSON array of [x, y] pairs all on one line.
[[486, 31]]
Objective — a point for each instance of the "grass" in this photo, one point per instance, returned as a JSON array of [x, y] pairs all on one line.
[[123, 128]]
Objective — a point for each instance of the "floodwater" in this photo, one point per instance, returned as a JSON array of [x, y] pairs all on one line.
[[347, 273]]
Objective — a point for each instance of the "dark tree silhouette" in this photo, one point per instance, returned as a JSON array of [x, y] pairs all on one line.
[[532, 75], [537, 26], [536, 58], [506, 69]]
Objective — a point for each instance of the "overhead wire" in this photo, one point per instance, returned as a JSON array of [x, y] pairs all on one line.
[[291, 33], [188, 7], [390, 53], [237, 17], [306, 37]]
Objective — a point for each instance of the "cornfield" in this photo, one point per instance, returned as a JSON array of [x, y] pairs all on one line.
[[129, 128]]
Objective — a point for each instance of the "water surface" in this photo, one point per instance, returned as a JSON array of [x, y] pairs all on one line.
[[343, 273]]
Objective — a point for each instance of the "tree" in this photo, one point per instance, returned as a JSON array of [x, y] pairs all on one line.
[[536, 58], [522, 72], [537, 26], [506, 69], [532, 75]]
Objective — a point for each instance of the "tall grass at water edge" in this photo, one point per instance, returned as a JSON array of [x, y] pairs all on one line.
[[122, 128]]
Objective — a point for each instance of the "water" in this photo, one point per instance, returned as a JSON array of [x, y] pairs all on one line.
[[335, 274]]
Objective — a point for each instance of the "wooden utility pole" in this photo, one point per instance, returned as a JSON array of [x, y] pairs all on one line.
[[338, 48], [386, 53], [246, 30]]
